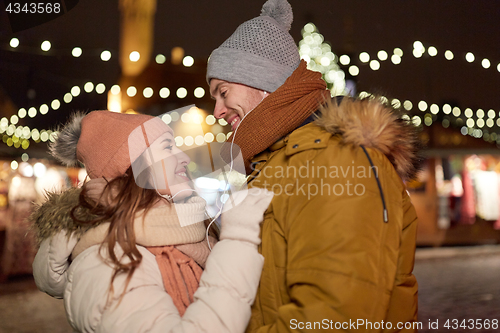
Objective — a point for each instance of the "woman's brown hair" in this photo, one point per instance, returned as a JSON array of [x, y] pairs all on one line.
[[120, 202], [123, 199]]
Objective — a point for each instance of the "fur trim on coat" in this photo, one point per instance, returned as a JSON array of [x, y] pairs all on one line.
[[54, 215], [372, 124]]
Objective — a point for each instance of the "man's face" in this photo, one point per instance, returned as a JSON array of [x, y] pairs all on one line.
[[233, 100]]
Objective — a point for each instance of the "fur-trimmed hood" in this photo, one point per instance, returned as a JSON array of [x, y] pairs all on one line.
[[372, 124], [54, 215]]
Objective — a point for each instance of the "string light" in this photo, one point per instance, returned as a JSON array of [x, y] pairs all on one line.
[[364, 57], [397, 51], [14, 42], [22, 113], [408, 105], [199, 140], [199, 92], [167, 119], [188, 61], [22, 135], [148, 92], [164, 92], [382, 55], [374, 65], [100, 88], [88, 87], [76, 52], [105, 55], [134, 56], [221, 137], [55, 104], [160, 59], [75, 91], [131, 91], [186, 118], [320, 58], [32, 112], [396, 59], [344, 59], [67, 98], [354, 70], [422, 106], [209, 137], [432, 51], [181, 92], [115, 90], [188, 141], [44, 108], [45, 46], [210, 120]]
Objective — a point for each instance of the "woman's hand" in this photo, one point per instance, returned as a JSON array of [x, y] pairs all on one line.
[[95, 191], [242, 214]]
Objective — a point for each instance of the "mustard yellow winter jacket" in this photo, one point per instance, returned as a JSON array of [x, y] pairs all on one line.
[[334, 257]]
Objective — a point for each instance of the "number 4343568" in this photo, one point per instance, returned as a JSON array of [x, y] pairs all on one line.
[[471, 324], [33, 8]]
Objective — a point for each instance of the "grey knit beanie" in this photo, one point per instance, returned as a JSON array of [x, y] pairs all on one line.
[[261, 53]]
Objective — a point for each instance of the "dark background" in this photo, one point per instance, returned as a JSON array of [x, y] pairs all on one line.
[[351, 27]]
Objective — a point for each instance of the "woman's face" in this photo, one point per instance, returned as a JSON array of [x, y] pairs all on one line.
[[168, 170]]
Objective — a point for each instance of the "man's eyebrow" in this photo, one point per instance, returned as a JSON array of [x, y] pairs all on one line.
[[212, 92]]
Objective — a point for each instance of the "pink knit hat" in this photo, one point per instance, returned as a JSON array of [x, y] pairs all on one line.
[[100, 140]]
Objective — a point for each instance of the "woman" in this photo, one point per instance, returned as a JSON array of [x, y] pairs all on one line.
[[134, 267]]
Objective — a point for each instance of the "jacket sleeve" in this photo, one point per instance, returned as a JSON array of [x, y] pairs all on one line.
[[342, 260], [221, 304], [51, 263], [405, 290]]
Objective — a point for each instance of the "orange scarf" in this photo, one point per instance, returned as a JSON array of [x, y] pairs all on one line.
[[280, 113], [181, 275]]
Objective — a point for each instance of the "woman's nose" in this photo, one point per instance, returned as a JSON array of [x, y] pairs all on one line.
[[182, 158]]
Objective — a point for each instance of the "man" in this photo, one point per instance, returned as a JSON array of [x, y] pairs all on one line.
[[339, 236]]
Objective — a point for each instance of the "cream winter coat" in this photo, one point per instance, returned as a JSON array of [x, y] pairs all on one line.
[[221, 304]]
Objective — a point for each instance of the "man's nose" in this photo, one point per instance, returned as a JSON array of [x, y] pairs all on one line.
[[220, 110], [184, 158]]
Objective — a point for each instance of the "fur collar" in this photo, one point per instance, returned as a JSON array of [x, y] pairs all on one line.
[[372, 124], [54, 215], [157, 229]]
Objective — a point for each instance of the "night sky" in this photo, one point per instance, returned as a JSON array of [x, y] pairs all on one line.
[[351, 27]]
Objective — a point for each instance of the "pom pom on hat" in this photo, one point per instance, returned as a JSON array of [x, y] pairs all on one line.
[[261, 53], [64, 148], [280, 10]]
